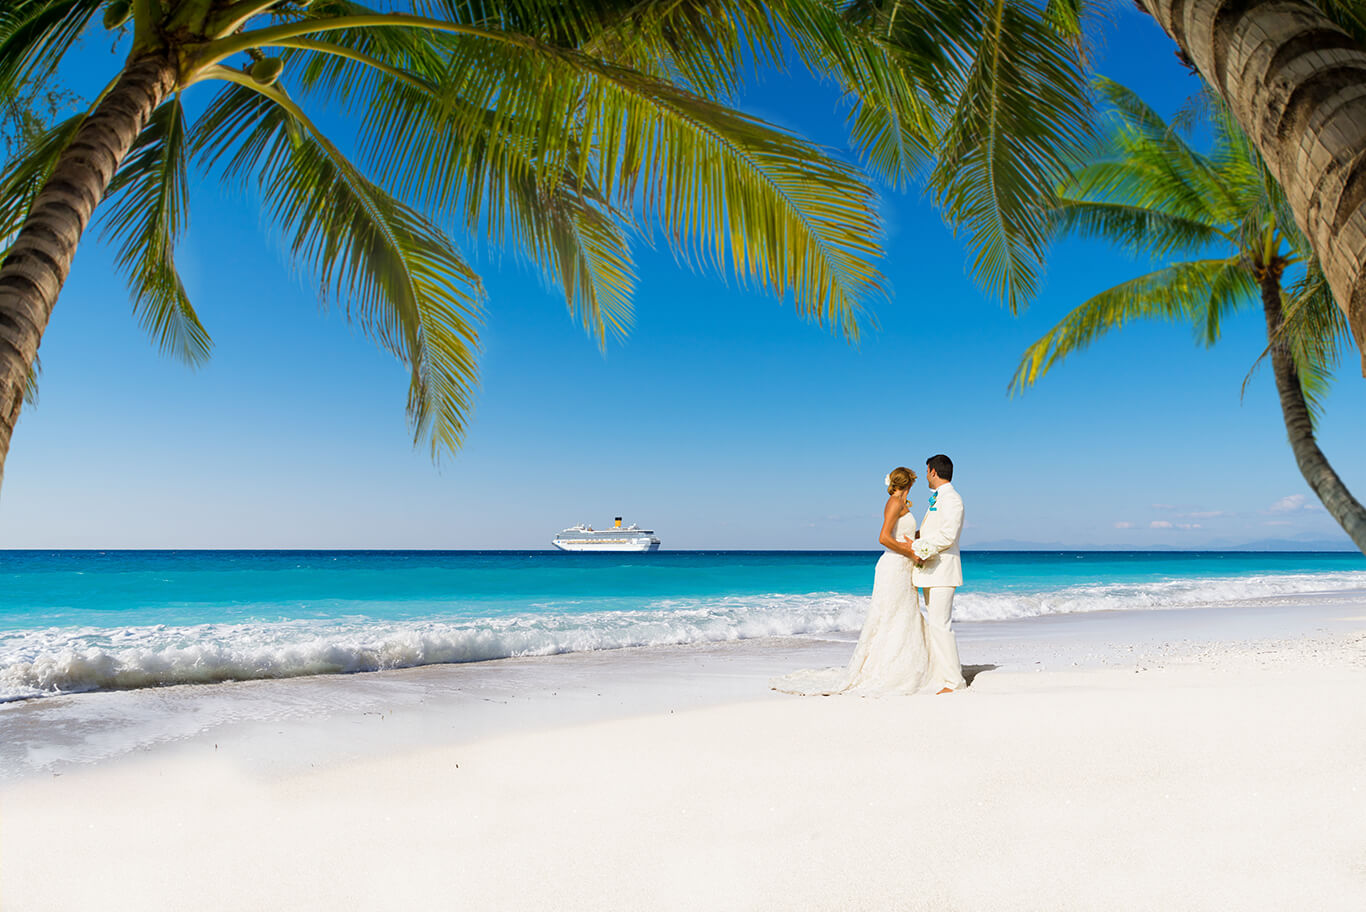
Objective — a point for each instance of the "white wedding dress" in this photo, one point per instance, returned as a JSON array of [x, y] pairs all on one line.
[[891, 656]]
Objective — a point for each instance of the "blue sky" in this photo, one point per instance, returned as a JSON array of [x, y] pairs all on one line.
[[723, 422]]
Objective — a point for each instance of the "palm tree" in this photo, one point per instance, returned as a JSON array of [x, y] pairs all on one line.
[[1149, 191], [526, 121], [1293, 73], [560, 126]]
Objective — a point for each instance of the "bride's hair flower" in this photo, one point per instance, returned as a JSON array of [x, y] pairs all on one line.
[[900, 477]]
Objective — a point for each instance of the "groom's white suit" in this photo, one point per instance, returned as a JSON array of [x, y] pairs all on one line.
[[940, 575]]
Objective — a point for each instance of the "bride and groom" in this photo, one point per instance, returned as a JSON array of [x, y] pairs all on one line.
[[900, 649]]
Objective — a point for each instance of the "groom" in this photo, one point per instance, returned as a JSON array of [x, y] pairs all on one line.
[[939, 571]]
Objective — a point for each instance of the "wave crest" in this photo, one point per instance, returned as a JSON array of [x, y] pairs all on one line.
[[71, 660], [54, 661]]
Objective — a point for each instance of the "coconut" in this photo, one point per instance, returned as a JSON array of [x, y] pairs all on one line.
[[266, 70], [117, 13]]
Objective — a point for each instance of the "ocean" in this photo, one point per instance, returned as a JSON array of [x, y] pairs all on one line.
[[73, 621]]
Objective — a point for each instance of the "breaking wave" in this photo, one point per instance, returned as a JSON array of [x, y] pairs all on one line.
[[75, 659]]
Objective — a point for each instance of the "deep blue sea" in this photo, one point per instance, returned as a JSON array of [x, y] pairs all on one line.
[[86, 620]]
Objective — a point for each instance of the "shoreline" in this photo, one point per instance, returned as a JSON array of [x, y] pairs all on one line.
[[121, 623], [1195, 759], [462, 702]]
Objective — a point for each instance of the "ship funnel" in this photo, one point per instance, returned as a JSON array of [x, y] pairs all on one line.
[[618, 525]]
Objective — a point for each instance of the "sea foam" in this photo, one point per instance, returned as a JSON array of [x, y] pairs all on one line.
[[74, 659]]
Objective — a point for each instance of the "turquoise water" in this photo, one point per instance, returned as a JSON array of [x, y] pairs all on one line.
[[72, 621]]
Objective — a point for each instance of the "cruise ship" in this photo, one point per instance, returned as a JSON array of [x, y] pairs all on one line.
[[584, 537]]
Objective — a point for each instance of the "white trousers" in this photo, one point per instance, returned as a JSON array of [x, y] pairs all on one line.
[[945, 670]]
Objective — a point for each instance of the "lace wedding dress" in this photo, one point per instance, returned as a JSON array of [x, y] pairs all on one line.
[[891, 656]]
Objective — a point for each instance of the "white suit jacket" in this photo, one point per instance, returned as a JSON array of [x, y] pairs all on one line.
[[939, 533]]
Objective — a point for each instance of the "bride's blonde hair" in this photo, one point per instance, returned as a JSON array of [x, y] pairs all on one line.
[[900, 477]]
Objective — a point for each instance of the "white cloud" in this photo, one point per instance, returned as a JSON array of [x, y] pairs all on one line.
[[1294, 503], [1123, 524], [1189, 526], [1159, 524]]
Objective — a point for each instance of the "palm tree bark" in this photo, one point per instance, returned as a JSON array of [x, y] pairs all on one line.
[[40, 258], [1297, 84], [1327, 486]]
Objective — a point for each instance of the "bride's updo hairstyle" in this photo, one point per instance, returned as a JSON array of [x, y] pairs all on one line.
[[900, 477]]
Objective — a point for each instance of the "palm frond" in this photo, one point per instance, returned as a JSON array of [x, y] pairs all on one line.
[[893, 128], [891, 65], [36, 34], [1149, 162], [1180, 292], [1066, 16], [1134, 113], [25, 176], [1350, 15], [1141, 230], [1021, 121], [148, 199], [393, 271], [1231, 289], [703, 45], [590, 253], [31, 382], [566, 229], [728, 189], [1315, 333]]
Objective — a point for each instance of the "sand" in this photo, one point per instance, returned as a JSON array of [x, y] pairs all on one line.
[[1172, 763]]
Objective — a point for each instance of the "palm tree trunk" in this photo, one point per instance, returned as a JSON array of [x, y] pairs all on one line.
[[39, 260], [1326, 484], [1297, 84]]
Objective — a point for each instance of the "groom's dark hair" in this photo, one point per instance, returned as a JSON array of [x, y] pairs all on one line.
[[942, 465]]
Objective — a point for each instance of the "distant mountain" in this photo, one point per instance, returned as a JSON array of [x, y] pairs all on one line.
[[1286, 544], [1013, 544]]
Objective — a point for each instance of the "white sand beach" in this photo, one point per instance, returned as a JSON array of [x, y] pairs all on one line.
[[1185, 760]]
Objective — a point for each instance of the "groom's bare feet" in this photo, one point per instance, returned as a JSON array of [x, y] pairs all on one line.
[[946, 690]]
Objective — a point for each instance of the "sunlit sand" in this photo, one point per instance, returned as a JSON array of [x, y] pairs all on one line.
[[1196, 759]]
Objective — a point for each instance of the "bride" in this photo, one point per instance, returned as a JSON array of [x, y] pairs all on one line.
[[891, 656]]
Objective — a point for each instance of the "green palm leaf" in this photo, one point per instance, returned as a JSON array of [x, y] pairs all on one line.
[[1019, 126], [1142, 230], [392, 270], [1147, 189], [566, 230], [35, 35], [727, 188], [1316, 333], [147, 216], [1198, 291], [25, 176]]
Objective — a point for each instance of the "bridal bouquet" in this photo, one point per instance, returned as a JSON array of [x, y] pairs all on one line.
[[922, 549]]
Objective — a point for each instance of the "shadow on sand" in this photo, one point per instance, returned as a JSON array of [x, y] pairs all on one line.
[[970, 672]]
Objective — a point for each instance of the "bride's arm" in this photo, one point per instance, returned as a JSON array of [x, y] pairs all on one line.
[[890, 514]]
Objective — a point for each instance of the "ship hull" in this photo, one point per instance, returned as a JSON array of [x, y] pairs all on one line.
[[629, 545]]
